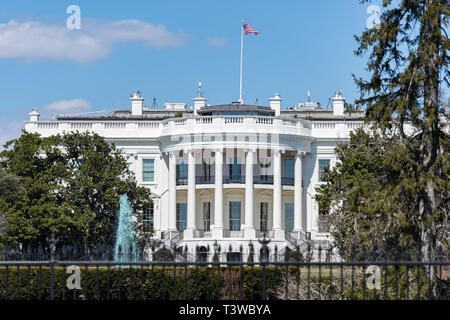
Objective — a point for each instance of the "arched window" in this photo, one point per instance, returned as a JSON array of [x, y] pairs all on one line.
[[203, 254]]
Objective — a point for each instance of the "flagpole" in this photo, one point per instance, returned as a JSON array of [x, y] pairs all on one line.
[[242, 53]]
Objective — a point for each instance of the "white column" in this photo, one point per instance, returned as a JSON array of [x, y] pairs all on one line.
[[298, 194], [278, 230], [217, 230], [190, 225], [249, 230], [172, 191]]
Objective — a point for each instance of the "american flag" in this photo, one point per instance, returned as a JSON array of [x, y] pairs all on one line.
[[248, 29]]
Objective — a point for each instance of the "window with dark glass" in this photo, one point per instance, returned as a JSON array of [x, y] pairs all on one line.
[[264, 215], [207, 171], [289, 168], [235, 169], [289, 217], [235, 216], [264, 170], [182, 170], [181, 216], [322, 165], [148, 170], [148, 217], [206, 216]]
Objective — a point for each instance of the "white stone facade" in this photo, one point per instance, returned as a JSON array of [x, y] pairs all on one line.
[[253, 169]]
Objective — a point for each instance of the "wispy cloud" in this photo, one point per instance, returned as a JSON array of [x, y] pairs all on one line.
[[34, 40], [217, 42], [78, 105], [9, 131], [12, 129]]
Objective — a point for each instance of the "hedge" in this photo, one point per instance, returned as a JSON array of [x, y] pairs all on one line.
[[124, 283], [205, 283]]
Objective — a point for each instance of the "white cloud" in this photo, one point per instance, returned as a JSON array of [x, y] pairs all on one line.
[[66, 106], [12, 129], [9, 131], [217, 42], [32, 40]]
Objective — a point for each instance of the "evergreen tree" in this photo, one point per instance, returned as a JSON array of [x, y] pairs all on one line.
[[408, 62]]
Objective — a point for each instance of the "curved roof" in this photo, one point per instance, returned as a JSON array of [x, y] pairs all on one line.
[[235, 107]]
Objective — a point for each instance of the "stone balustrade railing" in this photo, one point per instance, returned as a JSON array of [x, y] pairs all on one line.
[[208, 124]]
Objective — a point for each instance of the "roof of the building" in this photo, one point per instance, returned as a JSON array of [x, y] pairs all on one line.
[[161, 114], [235, 107]]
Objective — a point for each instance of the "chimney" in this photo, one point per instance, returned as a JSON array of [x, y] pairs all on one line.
[[338, 104], [137, 104], [34, 115], [275, 104], [200, 101]]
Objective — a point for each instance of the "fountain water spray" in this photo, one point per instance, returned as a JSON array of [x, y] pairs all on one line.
[[125, 247]]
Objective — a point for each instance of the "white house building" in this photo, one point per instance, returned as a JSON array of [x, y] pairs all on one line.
[[225, 175]]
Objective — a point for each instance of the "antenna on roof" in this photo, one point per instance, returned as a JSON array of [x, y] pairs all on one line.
[[309, 96], [200, 89], [154, 105], [256, 102]]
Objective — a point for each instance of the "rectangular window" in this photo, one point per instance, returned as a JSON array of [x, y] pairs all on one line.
[[264, 214], [181, 216], [182, 170], [235, 216], [289, 217], [148, 216], [148, 170], [206, 216], [235, 170], [289, 168], [264, 171], [207, 171], [322, 165]]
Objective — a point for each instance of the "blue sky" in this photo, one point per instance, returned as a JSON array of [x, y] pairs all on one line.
[[164, 48]]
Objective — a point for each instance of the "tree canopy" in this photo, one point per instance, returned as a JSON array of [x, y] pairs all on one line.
[[71, 186], [392, 186]]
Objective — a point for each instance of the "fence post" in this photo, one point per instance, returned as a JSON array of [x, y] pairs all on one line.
[[52, 244], [263, 259]]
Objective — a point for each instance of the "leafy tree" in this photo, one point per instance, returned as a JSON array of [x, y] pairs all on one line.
[[372, 193], [408, 62], [72, 187], [40, 209], [10, 189], [99, 175]]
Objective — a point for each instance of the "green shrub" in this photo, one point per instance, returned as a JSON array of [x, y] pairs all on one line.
[[163, 254], [130, 283], [293, 256]]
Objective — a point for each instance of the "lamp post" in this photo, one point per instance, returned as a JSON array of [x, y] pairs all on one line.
[[264, 249]]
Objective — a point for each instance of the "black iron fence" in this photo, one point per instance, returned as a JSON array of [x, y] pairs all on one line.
[[400, 274]]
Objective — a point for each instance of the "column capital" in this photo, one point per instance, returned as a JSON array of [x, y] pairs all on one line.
[[301, 153], [170, 152], [217, 149], [276, 151]]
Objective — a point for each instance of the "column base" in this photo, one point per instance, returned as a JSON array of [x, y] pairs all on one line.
[[249, 233], [217, 233], [278, 234], [188, 234]]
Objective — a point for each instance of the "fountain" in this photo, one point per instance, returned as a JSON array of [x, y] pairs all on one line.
[[125, 247]]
